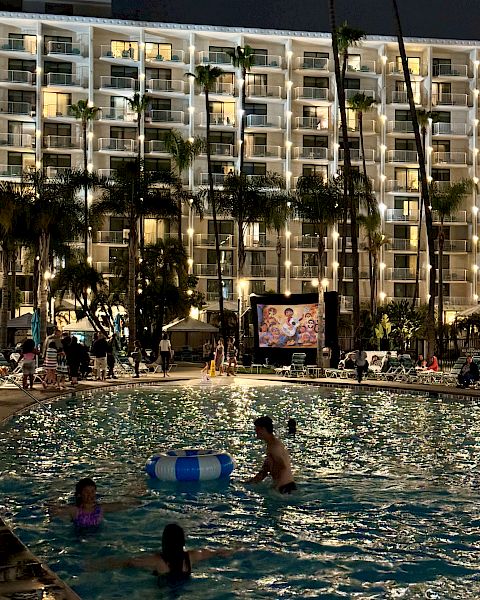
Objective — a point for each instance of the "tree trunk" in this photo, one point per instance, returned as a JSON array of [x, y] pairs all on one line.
[[279, 262], [242, 122], [132, 280], [85, 185], [43, 252], [441, 244], [4, 304], [321, 303], [374, 283], [430, 324], [348, 179], [416, 291], [215, 225]]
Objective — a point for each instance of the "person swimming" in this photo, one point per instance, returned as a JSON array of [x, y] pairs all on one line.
[[173, 561]]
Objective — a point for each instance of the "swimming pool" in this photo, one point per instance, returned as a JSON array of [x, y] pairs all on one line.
[[387, 505]]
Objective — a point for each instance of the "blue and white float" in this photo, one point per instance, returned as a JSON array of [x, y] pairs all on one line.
[[190, 465]]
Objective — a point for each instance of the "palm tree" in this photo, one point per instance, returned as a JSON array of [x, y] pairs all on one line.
[[242, 58], [139, 105], [183, 152], [347, 36], [375, 241], [338, 45], [316, 202], [277, 210], [86, 113], [361, 104], [445, 202], [430, 321], [135, 198], [206, 77]]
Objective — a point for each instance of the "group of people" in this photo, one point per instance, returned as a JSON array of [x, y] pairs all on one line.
[[278, 330], [174, 560], [217, 355]]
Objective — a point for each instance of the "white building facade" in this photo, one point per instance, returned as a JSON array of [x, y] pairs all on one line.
[[49, 62]]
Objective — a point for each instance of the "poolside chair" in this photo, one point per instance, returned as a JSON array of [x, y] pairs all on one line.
[[123, 367], [297, 367]]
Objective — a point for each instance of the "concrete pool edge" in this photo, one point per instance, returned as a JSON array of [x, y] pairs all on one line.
[[32, 574]]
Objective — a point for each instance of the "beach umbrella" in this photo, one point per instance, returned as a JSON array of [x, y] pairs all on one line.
[[36, 327]]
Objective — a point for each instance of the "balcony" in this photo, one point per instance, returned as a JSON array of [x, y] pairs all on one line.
[[393, 215], [155, 146], [27, 44], [65, 142], [166, 116], [64, 80], [348, 273], [221, 150], [270, 61], [460, 216], [450, 158], [309, 63], [263, 152], [104, 267], [402, 156], [118, 83], [17, 108], [401, 274], [26, 297], [117, 145], [261, 121], [130, 54], [396, 68], [218, 120], [261, 270], [449, 99], [307, 241], [11, 170], [356, 154], [50, 111], [310, 153], [457, 301], [318, 124], [454, 246], [261, 240], [213, 296], [349, 93], [406, 187], [304, 272], [108, 113], [400, 126], [218, 179], [405, 245], [208, 240], [169, 56], [19, 77], [18, 140], [222, 89], [449, 70], [368, 125], [311, 93], [364, 66], [64, 48], [166, 85], [52, 172], [399, 97], [111, 237], [210, 270], [214, 58], [264, 91], [450, 129], [454, 275]]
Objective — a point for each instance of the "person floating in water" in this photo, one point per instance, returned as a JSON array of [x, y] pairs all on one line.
[[87, 512], [277, 462], [173, 561]]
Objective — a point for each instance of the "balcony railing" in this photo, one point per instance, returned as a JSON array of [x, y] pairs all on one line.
[[111, 237], [405, 245], [307, 241], [449, 70], [311, 63], [400, 126], [109, 113], [67, 48], [264, 91], [202, 239], [259, 151], [401, 274], [454, 158], [155, 146], [221, 150], [348, 273], [117, 145], [210, 270], [264, 121], [460, 216], [349, 93], [310, 153], [399, 97], [17, 108], [320, 124], [403, 156], [19, 140], [304, 272], [61, 141], [449, 99], [213, 296], [51, 111], [104, 267], [454, 275], [311, 93], [460, 301], [408, 187], [218, 178], [365, 66], [222, 89], [273, 61], [453, 245], [261, 240], [450, 129], [52, 172], [26, 297], [261, 270], [107, 51], [64, 79], [215, 58], [118, 83], [26, 44], [218, 119], [356, 154], [11, 170], [397, 214], [175, 56], [166, 85], [396, 68], [14, 76], [167, 116], [368, 125]]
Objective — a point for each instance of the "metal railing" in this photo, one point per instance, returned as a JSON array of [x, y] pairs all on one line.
[[169, 55], [110, 237], [310, 153], [400, 126], [349, 93], [118, 83], [259, 151], [107, 51], [395, 185], [61, 141], [454, 275], [14, 76], [320, 124], [403, 156], [166, 85], [51, 111], [460, 216], [399, 97], [208, 239], [11, 170], [110, 113], [307, 241], [155, 146], [397, 214], [272, 61], [167, 116], [64, 79], [443, 99], [221, 149], [264, 121], [264, 91], [117, 145], [17, 108], [364, 66], [454, 158], [304, 272], [406, 245], [311, 63], [218, 178], [449, 70], [68, 48], [453, 245], [261, 240], [401, 274], [210, 270], [450, 129], [217, 119], [356, 154], [214, 58], [20, 140], [311, 93], [27, 44]]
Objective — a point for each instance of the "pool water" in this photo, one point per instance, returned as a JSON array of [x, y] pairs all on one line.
[[387, 505]]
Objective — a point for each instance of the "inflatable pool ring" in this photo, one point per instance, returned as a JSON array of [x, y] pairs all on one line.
[[190, 465]]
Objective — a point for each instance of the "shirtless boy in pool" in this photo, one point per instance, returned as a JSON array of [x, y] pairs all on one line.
[[277, 463]]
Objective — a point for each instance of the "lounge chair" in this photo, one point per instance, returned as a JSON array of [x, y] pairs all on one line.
[[297, 367]]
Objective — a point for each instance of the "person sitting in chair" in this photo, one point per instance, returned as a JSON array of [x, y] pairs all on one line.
[[469, 373]]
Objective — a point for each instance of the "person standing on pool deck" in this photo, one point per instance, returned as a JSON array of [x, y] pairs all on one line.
[[277, 462]]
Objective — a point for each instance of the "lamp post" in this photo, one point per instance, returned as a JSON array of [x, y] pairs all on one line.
[[242, 286]]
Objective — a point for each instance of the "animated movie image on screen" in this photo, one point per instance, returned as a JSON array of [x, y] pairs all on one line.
[[287, 326]]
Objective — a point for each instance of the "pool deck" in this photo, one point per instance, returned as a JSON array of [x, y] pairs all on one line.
[[22, 573]]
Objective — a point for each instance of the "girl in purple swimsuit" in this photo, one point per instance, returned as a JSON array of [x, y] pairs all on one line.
[[87, 512]]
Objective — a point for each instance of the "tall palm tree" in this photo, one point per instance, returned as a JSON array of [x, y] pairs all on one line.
[[134, 198], [277, 210], [375, 241], [361, 104], [242, 58], [183, 152], [430, 321], [206, 77], [347, 36], [316, 202], [139, 104], [86, 113], [445, 202], [338, 46]]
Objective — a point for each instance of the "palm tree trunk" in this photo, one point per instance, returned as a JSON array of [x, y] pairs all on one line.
[[441, 244], [374, 285], [132, 279], [43, 252], [242, 122], [85, 185], [416, 291], [279, 262], [348, 179], [321, 302], [215, 225], [430, 324], [4, 304]]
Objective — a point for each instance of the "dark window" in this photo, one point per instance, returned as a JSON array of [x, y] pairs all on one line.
[[318, 170], [255, 168], [403, 290], [316, 82], [402, 115], [224, 227], [118, 223], [352, 83], [117, 162], [57, 67], [315, 141], [155, 134], [222, 137], [315, 54], [255, 109], [57, 160], [119, 71], [157, 164], [441, 174], [405, 144]]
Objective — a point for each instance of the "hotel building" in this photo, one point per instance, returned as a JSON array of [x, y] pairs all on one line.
[[49, 62]]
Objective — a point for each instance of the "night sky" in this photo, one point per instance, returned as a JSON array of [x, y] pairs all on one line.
[[456, 19]]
